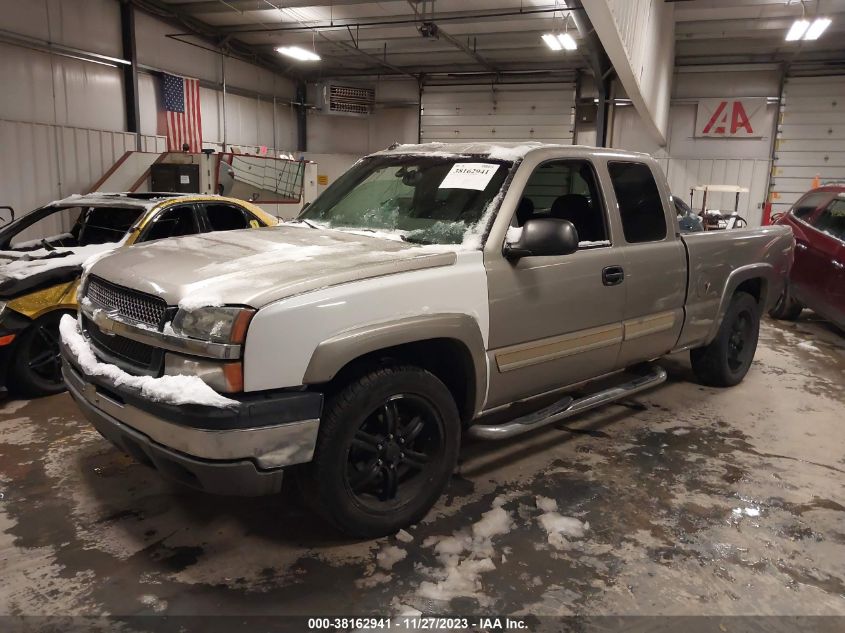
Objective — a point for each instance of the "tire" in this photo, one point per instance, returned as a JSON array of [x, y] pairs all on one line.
[[726, 360], [36, 367], [787, 308], [362, 478]]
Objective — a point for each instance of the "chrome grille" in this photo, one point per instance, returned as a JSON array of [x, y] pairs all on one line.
[[129, 304]]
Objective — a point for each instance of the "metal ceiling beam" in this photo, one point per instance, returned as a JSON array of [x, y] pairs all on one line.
[[455, 42], [215, 6], [222, 41]]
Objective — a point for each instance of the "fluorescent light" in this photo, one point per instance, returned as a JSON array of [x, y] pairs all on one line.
[[552, 42], [817, 28], [298, 53], [796, 31], [567, 42]]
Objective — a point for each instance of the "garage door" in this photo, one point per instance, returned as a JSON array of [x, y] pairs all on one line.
[[511, 112], [811, 138]]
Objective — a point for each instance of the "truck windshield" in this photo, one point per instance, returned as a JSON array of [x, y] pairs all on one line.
[[423, 199]]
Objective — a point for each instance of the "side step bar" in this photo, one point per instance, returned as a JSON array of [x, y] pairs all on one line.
[[568, 407]]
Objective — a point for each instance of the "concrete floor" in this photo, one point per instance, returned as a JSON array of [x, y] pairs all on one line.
[[698, 500]]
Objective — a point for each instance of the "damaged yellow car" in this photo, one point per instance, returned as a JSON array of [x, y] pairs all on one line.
[[39, 275]]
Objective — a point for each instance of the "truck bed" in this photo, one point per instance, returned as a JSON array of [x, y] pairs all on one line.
[[719, 262]]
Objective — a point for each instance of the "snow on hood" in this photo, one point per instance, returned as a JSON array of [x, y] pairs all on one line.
[[255, 267], [24, 264]]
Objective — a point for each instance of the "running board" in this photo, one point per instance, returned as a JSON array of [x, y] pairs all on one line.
[[568, 407]]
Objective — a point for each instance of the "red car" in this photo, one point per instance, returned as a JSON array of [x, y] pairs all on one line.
[[817, 280]]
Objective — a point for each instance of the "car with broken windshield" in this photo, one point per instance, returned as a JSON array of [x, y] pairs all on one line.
[[432, 292], [41, 258]]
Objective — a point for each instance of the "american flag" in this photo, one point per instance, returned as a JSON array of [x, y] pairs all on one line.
[[182, 110]]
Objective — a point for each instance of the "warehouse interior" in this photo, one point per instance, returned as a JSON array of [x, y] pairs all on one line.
[[684, 500]]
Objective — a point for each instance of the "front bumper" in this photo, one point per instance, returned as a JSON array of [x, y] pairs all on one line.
[[236, 451]]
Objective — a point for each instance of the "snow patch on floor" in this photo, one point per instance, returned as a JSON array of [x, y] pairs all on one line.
[[389, 556], [13, 407], [559, 529], [464, 556]]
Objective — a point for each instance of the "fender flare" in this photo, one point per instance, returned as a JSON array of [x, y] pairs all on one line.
[[333, 354], [763, 271]]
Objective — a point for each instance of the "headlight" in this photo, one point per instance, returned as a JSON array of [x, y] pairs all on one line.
[[214, 324]]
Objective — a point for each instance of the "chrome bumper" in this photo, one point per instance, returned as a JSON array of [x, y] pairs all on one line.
[[251, 457]]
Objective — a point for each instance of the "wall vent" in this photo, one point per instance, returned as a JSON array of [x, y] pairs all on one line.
[[348, 100]]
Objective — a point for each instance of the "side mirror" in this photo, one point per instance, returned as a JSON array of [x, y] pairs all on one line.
[[544, 237]]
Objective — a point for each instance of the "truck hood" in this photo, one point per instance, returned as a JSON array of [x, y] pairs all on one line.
[[255, 267]]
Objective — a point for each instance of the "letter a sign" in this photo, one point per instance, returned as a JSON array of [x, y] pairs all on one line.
[[731, 118]]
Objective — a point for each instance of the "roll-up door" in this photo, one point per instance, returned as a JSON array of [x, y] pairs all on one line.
[[810, 144], [503, 112]]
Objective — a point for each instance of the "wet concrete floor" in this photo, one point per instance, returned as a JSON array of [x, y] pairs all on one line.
[[681, 500]]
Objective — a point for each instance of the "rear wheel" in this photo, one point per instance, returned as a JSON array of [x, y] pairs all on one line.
[[726, 360], [388, 445], [37, 369], [787, 308]]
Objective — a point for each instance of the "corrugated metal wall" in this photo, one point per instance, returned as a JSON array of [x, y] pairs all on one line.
[[684, 173], [40, 163], [515, 112], [811, 138]]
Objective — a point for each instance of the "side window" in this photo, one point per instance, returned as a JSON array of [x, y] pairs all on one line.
[[832, 220], [173, 222], [640, 205], [226, 217], [566, 189], [810, 202]]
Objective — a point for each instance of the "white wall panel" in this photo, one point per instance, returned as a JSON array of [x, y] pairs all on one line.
[[811, 138], [543, 112], [41, 163], [91, 25]]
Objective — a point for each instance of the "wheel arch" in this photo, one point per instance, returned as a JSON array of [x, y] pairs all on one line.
[[448, 345], [759, 280]]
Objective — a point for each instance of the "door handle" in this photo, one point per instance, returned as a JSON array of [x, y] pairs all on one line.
[[612, 275]]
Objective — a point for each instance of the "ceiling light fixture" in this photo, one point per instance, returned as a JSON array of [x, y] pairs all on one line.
[[567, 41], [552, 42], [559, 42], [817, 28], [298, 53], [797, 30]]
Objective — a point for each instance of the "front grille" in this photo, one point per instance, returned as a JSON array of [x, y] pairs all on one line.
[[129, 304], [137, 354]]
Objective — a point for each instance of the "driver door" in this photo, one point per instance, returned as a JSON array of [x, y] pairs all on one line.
[[556, 320]]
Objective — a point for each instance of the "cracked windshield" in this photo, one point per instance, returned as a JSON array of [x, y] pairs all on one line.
[[420, 199]]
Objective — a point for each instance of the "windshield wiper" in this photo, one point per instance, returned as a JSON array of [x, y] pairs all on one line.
[[415, 240], [306, 222]]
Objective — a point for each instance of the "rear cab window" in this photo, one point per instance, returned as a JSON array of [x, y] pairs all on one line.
[[566, 189], [639, 200]]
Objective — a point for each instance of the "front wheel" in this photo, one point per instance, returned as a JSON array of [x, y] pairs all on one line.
[[36, 368], [388, 445], [726, 360]]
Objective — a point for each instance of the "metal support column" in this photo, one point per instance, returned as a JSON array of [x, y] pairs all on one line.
[[301, 119], [130, 72]]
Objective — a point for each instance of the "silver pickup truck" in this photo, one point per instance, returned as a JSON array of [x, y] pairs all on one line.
[[433, 290]]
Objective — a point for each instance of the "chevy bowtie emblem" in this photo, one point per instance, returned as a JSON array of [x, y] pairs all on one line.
[[107, 325]]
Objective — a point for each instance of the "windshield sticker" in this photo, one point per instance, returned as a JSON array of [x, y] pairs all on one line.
[[469, 176]]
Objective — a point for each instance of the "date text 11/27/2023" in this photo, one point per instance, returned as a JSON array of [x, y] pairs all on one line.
[[421, 623]]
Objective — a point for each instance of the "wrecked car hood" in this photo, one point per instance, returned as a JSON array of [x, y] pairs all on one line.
[[25, 271], [255, 267]]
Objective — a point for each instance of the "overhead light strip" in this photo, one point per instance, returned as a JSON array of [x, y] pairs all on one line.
[[806, 30], [298, 53]]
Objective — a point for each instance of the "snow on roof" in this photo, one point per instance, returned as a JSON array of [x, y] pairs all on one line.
[[504, 150], [98, 198]]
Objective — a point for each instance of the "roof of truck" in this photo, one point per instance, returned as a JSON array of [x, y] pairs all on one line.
[[504, 150]]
